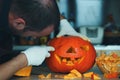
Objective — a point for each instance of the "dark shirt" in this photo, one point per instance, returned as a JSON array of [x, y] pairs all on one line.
[[6, 41]]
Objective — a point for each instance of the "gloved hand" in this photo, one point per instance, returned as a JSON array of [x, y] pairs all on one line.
[[66, 29], [37, 54]]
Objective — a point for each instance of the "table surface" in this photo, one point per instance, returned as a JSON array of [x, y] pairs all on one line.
[[44, 70]]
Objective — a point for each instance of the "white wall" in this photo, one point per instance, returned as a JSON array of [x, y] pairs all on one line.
[[88, 12]]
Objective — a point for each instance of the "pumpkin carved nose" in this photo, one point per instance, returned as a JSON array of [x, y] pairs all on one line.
[[71, 50]]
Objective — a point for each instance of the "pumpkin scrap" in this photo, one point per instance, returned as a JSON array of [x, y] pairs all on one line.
[[26, 71], [74, 74], [49, 76], [77, 73], [42, 76], [95, 77], [108, 63], [88, 74], [71, 52], [91, 75], [70, 76], [111, 75]]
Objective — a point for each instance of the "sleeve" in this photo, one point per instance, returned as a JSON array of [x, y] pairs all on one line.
[[4, 12], [6, 48], [6, 40]]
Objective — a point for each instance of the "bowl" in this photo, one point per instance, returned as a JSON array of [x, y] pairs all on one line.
[[108, 63]]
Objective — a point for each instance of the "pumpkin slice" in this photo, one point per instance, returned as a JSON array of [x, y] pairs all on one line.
[[26, 71], [42, 76], [88, 74], [74, 74], [95, 77], [49, 76], [70, 76], [77, 73], [111, 75]]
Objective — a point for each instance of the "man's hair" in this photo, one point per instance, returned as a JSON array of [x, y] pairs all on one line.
[[38, 14]]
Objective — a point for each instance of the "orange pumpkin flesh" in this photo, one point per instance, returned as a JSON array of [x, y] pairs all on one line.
[[71, 53], [26, 71]]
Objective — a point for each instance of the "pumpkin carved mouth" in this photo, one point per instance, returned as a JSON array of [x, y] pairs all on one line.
[[67, 60]]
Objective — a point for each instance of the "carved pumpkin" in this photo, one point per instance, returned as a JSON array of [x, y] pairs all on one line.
[[71, 53]]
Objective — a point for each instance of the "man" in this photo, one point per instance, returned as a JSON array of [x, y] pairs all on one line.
[[27, 18]]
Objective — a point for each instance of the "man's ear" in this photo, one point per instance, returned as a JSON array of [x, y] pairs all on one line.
[[19, 23]]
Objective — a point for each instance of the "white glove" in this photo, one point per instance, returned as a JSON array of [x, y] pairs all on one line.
[[66, 29], [37, 54]]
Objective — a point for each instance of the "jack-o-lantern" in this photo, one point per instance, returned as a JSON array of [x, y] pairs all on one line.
[[71, 53]]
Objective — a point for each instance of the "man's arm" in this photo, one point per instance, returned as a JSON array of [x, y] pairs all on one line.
[[32, 56], [9, 68]]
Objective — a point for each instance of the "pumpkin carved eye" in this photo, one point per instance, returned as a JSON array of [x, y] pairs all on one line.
[[85, 47]]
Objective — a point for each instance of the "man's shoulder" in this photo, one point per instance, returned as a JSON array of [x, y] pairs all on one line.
[[4, 13]]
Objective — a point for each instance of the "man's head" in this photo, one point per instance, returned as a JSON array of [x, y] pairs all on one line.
[[34, 17]]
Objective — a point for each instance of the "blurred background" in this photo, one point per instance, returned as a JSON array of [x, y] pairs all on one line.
[[97, 19]]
